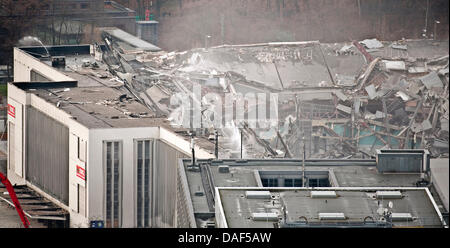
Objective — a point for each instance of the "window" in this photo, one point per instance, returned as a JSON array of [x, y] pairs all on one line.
[[269, 182], [81, 150], [37, 77], [318, 182], [84, 6], [294, 178], [12, 148], [298, 183], [289, 182], [143, 163], [112, 152], [81, 200]]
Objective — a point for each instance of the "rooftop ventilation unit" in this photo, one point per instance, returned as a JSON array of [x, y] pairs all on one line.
[[258, 194], [388, 195], [331, 216], [224, 168], [58, 61], [264, 216], [323, 194], [401, 217]]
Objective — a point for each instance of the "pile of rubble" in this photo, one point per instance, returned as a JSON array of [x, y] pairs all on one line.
[[336, 100], [406, 97]]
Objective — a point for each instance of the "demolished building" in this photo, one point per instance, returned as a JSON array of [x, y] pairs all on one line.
[[326, 101], [338, 100]]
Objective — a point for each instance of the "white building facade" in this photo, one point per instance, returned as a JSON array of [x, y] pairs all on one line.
[[122, 177]]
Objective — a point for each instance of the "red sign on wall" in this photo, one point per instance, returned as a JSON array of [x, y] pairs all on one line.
[[147, 15], [81, 173], [11, 110]]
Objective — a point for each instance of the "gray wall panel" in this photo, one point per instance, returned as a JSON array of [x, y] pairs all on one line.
[[165, 184], [394, 162], [47, 149]]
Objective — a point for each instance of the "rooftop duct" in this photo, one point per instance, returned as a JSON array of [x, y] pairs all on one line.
[[389, 195], [258, 194], [264, 216], [401, 217], [323, 194], [331, 216]]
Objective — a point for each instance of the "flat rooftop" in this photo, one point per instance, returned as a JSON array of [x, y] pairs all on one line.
[[356, 205], [248, 173], [96, 98]]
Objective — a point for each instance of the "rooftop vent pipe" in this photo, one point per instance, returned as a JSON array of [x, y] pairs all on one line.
[[58, 61]]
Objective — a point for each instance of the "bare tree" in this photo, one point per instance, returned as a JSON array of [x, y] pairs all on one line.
[[17, 19]]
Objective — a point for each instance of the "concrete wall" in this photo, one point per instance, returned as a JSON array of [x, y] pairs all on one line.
[[170, 145], [17, 99], [24, 63], [164, 162]]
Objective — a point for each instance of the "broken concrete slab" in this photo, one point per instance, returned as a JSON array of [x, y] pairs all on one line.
[[443, 71], [341, 95], [402, 95], [417, 70], [444, 124], [394, 65], [431, 80], [357, 105], [399, 46], [344, 108], [379, 115], [372, 43], [371, 91], [416, 127], [426, 125]]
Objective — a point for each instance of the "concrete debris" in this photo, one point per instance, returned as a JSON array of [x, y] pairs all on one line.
[[379, 115], [444, 124], [417, 70], [372, 43], [394, 65], [347, 49], [443, 72], [402, 95], [341, 95], [399, 46], [431, 80], [426, 125], [371, 91], [344, 108], [334, 105], [343, 80]]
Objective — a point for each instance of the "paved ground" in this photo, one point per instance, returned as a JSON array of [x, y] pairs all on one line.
[[10, 219]]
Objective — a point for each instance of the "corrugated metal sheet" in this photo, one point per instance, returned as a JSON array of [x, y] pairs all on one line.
[[47, 149], [165, 184]]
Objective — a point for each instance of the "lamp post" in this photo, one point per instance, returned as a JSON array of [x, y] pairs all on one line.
[[435, 24], [206, 41]]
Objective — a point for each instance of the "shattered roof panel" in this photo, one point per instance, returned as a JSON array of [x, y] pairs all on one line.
[[372, 43], [431, 80], [131, 39]]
